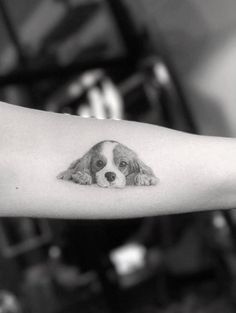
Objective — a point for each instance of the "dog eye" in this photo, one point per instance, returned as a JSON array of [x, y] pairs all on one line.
[[99, 163], [123, 164]]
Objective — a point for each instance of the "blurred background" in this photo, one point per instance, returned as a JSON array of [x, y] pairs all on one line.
[[165, 62]]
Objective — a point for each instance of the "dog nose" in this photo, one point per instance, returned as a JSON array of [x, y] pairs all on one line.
[[110, 176]]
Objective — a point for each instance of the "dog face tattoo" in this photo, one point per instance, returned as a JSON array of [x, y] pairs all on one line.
[[110, 164]]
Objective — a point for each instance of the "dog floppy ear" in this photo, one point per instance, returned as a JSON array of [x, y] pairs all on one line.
[[78, 170], [141, 168], [82, 164], [144, 175]]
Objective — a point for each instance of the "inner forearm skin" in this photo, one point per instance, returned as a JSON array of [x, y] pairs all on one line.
[[194, 172]]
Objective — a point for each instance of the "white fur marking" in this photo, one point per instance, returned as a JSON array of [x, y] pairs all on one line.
[[107, 151]]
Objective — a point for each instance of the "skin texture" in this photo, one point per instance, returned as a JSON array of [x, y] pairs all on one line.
[[93, 167], [196, 172]]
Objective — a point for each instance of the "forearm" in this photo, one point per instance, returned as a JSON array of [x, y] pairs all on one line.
[[194, 172]]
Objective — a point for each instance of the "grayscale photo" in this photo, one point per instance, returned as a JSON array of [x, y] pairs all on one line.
[[117, 156]]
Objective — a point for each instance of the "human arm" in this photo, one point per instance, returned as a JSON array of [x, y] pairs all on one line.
[[194, 172]]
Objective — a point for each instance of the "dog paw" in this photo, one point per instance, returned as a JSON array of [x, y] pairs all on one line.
[[66, 175], [82, 178], [145, 180]]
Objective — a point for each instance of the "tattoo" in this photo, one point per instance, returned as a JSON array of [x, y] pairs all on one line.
[[110, 164]]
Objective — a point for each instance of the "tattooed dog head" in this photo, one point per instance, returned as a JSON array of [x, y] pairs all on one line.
[[110, 164]]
